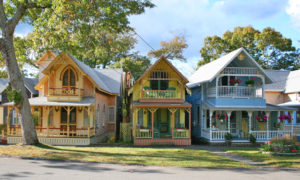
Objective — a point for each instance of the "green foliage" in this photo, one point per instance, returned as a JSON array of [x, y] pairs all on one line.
[[14, 95], [268, 47], [134, 64], [228, 136], [171, 50], [281, 145], [252, 139]]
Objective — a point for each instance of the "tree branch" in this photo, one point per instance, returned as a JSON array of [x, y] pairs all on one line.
[[12, 23], [3, 18]]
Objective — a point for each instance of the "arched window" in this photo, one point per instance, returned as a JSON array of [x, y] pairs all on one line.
[[69, 78]]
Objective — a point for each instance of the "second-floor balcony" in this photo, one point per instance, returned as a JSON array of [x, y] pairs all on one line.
[[65, 94], [241, 70], [170, 94], [235, 92]]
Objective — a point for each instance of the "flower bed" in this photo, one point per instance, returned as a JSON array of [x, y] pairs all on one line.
[[281, 146]]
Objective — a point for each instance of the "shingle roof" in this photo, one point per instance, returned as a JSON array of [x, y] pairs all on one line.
[[42, 101], [28, 82], [209, 71], [292, 83], [3, 84], [107, 79], [279, 80]]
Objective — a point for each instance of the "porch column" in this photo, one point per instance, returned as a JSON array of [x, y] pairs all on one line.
[[17, 118], [8, 120], [48, 112], [228, 121], [190, 121], [172, 110], [152, 110], [134, 122], [89, 119], [210, 123], [268, 114], [249, 121], [292, 122]]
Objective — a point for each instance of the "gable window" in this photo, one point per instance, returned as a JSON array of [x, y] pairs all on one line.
[[159, 80], [69, 78]]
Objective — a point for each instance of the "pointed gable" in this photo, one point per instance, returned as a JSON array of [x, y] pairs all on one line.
[[209, 72]]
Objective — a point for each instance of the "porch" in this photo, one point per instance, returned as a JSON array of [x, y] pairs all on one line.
[[162, 125], [56, 123], [263, 125]]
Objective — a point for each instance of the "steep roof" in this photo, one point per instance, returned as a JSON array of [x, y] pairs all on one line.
[[28, 82], [170, 65], [208, 72], [292, 83], [108, 80], [279, 80]]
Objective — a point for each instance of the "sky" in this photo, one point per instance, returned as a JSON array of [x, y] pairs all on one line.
[[197, 19]]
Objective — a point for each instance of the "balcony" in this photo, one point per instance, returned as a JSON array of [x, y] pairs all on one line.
[[65, 94], [169, 95], [235, 92], [240, 70]]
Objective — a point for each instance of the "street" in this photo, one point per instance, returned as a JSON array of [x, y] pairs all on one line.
[[14, 168]]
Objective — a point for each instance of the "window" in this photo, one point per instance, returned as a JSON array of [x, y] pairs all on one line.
[[111, 114], [69, 78], [85, 118], [103, 115], [177, 118], [158, 82], [140, 117], [224, 81], [50, 120]]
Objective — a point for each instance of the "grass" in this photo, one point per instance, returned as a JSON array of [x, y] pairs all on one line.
[[268, 160], [126, 155]]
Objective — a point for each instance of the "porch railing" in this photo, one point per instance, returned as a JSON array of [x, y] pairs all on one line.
[[181, 133], [143, 133], [160, 94], [54, 132], [66, 91], [234, 91], [240, 70], [205, 133], [218, 135]]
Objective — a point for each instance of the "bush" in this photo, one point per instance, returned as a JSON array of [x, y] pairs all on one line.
[[252, 139], [228, 137], [283, 144]]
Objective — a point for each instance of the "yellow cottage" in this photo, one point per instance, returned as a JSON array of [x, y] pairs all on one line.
[[160, 113], [77, 105]]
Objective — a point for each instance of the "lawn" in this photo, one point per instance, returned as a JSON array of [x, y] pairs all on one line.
[[267, 159], [125, 155]]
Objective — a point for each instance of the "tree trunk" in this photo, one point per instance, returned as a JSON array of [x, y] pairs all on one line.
[[17, 82]]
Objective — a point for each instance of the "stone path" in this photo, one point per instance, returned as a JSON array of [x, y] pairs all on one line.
[[218, 150]]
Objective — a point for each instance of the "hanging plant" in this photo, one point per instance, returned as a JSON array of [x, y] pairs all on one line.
[[235, 81], [222, 117], [261, 117], [285, 117]]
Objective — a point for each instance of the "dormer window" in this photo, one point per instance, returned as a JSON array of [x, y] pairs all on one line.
[[69, 78], [159, 80]]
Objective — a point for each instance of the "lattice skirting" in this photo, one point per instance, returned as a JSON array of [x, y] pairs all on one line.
[[54, 141], [149, 142]]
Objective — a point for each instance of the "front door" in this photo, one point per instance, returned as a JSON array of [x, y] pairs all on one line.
[[64, 123], [234, 126], [162, 123]]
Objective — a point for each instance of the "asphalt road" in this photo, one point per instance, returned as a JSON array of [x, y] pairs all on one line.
[[14, 168]]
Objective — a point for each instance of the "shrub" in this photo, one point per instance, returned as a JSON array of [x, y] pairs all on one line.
[[252, 139], [283, 144], [228, 137]]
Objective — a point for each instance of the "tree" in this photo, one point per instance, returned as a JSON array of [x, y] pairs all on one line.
[[171, 50], [56, 20], [268, 47], [136, 65]]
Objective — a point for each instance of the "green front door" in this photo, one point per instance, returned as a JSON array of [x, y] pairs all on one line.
[[162, 124]]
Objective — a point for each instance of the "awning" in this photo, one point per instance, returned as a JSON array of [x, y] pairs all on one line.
[[42, 101], [291, 103], [162, 105]]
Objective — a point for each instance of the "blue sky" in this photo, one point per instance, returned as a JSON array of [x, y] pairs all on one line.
[[197, 19]]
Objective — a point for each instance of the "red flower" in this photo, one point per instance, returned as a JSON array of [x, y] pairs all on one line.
[[281, 151], [294, 150]]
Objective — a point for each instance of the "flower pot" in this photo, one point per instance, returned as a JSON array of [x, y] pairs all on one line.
[[236, 84]]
